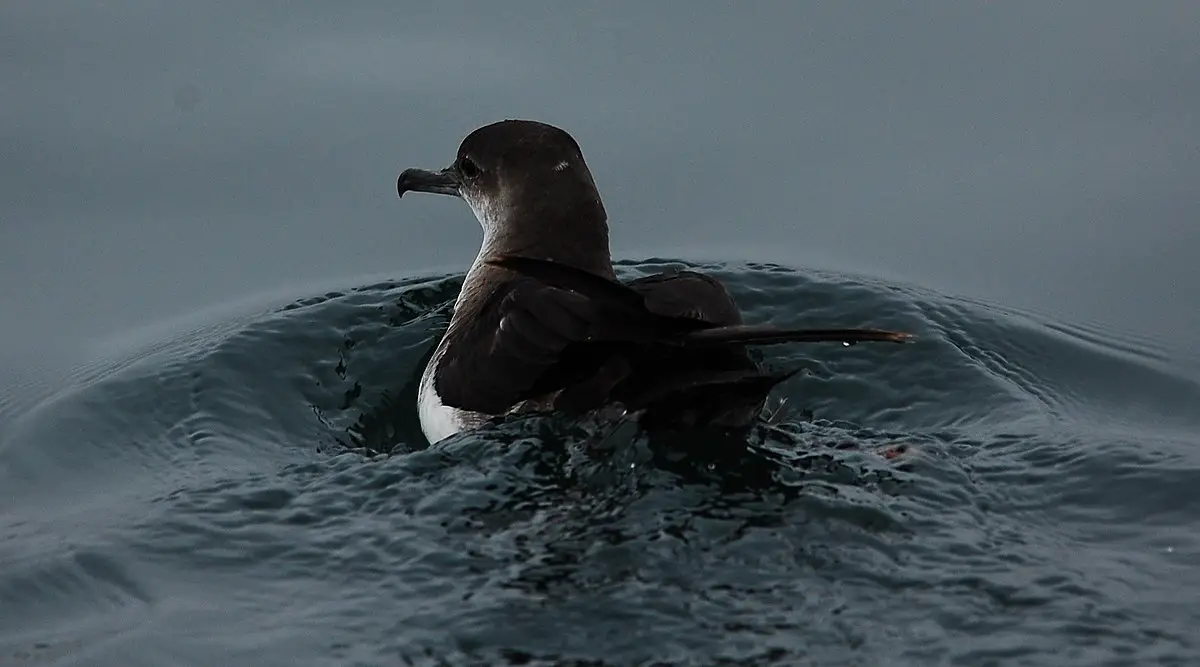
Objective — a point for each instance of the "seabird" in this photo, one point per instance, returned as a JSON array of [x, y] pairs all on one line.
[[542, 323]]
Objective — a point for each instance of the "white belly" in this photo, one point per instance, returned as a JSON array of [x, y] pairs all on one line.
[[438, 421]]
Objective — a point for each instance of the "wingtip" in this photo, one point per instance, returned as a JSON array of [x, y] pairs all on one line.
[[879, 336]]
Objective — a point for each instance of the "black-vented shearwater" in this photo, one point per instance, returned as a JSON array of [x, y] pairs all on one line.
[[542, 323]]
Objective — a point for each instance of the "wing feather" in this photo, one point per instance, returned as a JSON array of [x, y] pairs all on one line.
[[554, 326], [495, 358]]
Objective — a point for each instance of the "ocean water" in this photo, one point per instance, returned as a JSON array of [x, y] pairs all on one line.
[[254, 489]]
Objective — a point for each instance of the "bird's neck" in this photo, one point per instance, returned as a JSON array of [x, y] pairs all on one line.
[[581, 242]]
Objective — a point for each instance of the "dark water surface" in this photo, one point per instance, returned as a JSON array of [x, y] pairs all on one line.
[[222, 495], [193, 471]]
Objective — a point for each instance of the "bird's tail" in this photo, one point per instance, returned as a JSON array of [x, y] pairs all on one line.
[[765, 334]]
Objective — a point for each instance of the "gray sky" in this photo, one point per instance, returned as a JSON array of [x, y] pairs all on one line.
[[166, 157]]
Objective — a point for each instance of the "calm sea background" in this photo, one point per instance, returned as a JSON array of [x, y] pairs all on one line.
[[212, 308]]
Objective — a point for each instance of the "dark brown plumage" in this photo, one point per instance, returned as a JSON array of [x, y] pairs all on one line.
[[542, 322]]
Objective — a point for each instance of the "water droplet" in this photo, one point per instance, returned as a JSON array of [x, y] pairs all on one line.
[[845, 343]]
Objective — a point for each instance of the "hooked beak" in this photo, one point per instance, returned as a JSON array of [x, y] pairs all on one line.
[[444, 182]]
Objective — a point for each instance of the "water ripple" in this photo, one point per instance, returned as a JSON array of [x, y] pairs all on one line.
[[1008, 490]]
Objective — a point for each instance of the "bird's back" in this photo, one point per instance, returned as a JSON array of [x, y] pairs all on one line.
[[689, 386], [684, 293]]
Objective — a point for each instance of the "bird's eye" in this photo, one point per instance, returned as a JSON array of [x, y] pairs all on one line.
[[468, 167]]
